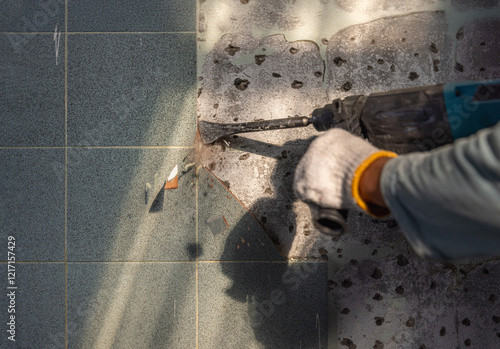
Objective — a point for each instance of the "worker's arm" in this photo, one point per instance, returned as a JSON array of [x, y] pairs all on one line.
[[447, 201]]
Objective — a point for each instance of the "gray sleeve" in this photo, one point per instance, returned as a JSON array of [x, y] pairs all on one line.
[[447, 201]]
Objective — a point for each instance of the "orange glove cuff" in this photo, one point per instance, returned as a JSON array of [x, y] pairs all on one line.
[[359, 172]]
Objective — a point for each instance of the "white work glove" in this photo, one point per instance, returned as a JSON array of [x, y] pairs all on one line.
[[328, 174]]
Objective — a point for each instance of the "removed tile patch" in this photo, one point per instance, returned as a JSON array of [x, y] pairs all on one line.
[[217, 224], [173, 179]]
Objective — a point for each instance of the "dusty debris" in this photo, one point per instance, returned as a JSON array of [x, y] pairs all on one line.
[[217, 224]]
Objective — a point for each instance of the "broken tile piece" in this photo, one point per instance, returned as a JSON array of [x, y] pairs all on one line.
[[173, 179], [217, 224]]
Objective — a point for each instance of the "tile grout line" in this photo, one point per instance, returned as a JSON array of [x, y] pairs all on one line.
[[108, 147], [66, 173], [92, 33], [197, 262]]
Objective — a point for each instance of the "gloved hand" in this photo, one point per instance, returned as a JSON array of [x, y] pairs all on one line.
[[328, 175]]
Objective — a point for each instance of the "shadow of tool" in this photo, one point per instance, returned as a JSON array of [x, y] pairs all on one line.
[[283, 303], [274, 210]]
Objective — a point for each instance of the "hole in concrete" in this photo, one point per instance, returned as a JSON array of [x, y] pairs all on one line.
[[322, 250], [496, 319], [467, 342], [293, 50], [460, 34], [259, 59], [393, 68], [211, 166], [200, 78], [348, 343], [403, 39], [318, 74], [340, 256], [378, 297], [377, 274], [241, 84], [492, 298], [276, 75], [413, 76], [231, 50], [284, 154], [435, 64], [297, 84], [416, 54], [216, 61], [307, 232], [244, 2], [235, 119], [422, 347], [466, 322], [199, 91], [244, 156], [346, 87], [339, 61], [433, 48], [268, 191], [402, 260], [263, 220], [367, 241], [482, 44], [410, 322], [400, 290], [380, 61], [369, 67], [353, 38], [372, 42], [442, 331], [378, 345], [339, 250], [216, 106], [324, 41], [459, 67], [353, 261], [290, 228], [482, 69], [433, 285], [486, 271], [379, 321], [346, 283], [374, 252], [345, 311]]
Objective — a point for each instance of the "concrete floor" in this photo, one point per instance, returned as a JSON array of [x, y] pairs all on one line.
[[99, 103], [276, 59]]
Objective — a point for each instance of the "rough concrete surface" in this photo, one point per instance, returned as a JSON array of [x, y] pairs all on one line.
[[407, 302], [389, 53], [246, 78], [477, 54]]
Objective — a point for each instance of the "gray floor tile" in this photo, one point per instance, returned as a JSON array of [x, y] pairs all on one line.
[[132, 89], [32, 202], [262, 305], [32, 90], [93, 15], [242, 239], [108, 217], [132, 305], [39, 303], [32, 16]]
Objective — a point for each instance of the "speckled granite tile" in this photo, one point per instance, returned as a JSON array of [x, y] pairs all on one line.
[[132, 305], [108, 216], [132, 89], [32, 89], [32, 202]]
